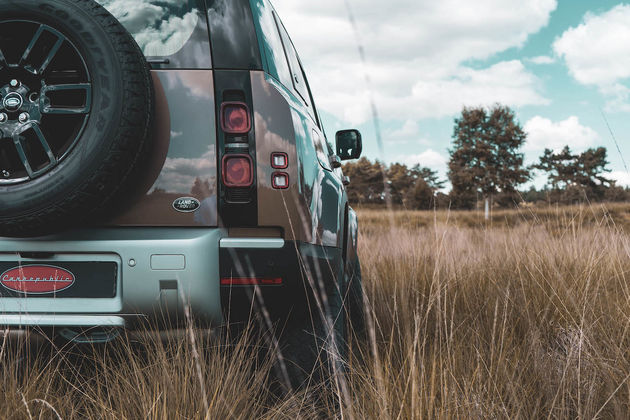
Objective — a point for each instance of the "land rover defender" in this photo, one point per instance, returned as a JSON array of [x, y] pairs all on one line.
[[158, 156]]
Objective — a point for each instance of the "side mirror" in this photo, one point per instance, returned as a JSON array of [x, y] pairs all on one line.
[[349, 144]]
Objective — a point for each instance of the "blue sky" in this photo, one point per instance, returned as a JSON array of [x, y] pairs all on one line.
[[559, 64]]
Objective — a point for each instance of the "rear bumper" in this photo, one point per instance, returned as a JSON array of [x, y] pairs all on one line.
[[160, 271], [163, 271]]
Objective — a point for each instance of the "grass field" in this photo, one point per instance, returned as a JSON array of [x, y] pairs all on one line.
[[524, 317]]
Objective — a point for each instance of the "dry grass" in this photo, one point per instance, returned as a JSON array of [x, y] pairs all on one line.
[[526, 318], [553, 217]]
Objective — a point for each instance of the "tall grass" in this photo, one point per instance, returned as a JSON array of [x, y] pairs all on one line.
[[531, 321], [522, 319]]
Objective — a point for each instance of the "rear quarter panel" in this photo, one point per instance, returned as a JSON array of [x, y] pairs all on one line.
[[312, 208]]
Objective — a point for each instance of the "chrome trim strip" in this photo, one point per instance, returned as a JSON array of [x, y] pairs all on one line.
[[267, 243], [62, 320]]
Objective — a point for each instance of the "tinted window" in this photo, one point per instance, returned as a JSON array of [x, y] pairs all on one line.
[[311, 103], [277, 65], [298, 76], [160, 27], [234, 43], [294, 63]]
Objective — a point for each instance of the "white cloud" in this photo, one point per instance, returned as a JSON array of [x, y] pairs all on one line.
[[597, 52], [622, 178], [419, 50], [430, 159], [542, 59], [444, 95], [617, 97], [409, 130], [506, 82], [543, 133]]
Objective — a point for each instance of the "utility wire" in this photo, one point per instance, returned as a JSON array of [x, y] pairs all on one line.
[[373, 108], [615, 140]]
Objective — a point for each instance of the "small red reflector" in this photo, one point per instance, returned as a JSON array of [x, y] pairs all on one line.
[[280, 180], [275, 281], [237, 171], [235, 118], [279, 160]]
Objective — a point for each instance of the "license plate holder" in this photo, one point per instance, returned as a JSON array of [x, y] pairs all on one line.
[[59, 279]]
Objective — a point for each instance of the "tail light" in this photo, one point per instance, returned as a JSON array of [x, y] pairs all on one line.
[[238, 171], [235, 118]]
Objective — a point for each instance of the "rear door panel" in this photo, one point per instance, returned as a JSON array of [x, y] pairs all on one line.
[[189, 168], [180, 162]]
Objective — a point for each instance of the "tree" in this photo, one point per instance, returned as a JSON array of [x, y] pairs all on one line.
[[366, 182], [429, 176], [485, 157], [420, 196], [571, 177], [400, 180], [414, 187]]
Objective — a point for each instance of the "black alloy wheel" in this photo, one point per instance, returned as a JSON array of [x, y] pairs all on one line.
[[45, 99]]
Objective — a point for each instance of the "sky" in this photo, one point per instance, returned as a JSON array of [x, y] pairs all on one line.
[[562, 65]]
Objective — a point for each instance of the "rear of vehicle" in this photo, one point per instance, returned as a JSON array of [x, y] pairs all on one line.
[[188, 172]]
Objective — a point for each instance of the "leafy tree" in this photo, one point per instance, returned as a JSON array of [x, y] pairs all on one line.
[[429, 176], [420, 196], [571, 177], [366, 182], [559, 167], [400, 180], [485, 157], [413, 187]]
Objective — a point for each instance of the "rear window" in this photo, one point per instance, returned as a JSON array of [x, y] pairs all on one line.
[[166, 28]]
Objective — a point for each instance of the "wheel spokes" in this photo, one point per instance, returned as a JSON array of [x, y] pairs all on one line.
[[42, 140], [46, 108], [17, 141], [51, 54], [31, 45], [48, 86]]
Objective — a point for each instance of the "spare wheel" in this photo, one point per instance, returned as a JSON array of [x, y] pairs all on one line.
[[76, 105]]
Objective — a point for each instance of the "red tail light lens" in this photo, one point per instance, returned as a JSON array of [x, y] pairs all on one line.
[[237, 171], [235, 118]]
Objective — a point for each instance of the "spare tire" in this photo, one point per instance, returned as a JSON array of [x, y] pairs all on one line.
[[76, 109]]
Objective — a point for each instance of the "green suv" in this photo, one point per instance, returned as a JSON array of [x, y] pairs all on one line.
[[158, 156]]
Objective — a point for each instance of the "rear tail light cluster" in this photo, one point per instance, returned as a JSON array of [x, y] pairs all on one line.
[[235, 118], [280, 180], [238, 171]]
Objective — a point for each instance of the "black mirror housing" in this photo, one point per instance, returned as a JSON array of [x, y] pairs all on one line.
[[349, 144]]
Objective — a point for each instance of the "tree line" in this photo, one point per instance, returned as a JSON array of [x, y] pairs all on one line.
[[487, 165]]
